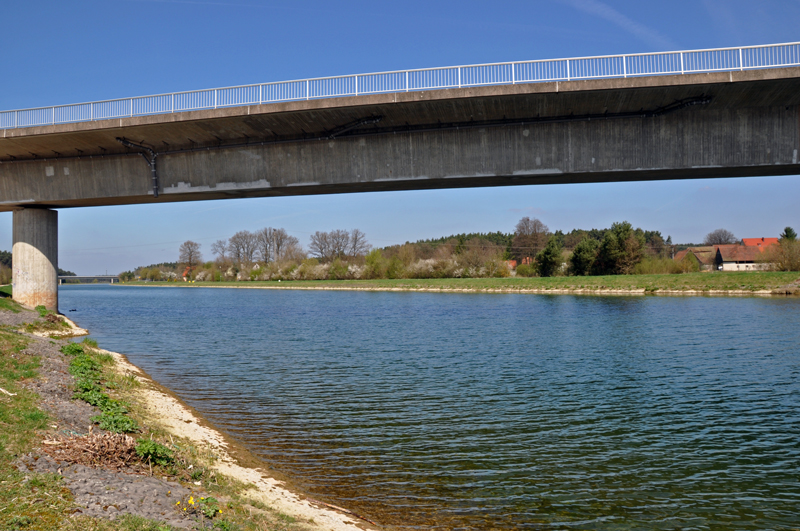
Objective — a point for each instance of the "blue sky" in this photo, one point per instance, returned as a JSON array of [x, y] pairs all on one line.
[[68, 52]]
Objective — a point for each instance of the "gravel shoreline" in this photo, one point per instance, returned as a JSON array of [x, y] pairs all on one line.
[[104, 493]]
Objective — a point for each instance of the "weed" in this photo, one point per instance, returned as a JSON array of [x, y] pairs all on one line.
[[91, 343], [72, 349], [116, 423], [42, 311], [209, 507], [156, 453], [83, 366], [287, 518]]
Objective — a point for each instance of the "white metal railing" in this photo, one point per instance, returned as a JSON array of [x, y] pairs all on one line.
[[646, 64]]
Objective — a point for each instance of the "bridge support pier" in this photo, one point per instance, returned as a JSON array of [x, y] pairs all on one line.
[[35, 258]]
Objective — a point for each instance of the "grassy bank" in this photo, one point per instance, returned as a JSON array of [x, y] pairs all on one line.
[[732, 282]]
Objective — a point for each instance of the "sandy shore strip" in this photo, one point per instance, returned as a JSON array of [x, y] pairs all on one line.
[[180, 420], [534, 291]]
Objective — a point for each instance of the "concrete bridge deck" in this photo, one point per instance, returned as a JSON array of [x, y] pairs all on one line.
[[734, 124]]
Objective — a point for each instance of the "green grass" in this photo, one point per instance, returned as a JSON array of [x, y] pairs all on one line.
[[21, 493], [6, 303], [704, 282]]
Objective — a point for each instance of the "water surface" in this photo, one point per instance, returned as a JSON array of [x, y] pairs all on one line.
[[502, 411]]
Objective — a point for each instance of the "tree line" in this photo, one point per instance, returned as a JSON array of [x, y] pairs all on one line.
[[531, 250]]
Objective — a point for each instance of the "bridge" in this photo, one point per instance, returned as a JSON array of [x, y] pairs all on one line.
[[88, 278], [673, 115]]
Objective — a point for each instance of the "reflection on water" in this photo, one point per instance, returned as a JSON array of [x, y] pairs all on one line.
[[466, 411]]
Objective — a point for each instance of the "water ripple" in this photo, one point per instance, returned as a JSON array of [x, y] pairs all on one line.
[[474, 411]]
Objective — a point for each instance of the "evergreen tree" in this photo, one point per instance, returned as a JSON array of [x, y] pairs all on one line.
[[549, 258], [583, 257], [621, 249]]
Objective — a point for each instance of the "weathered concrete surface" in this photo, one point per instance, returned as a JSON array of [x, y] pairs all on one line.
[[35, 258], [481, 136]]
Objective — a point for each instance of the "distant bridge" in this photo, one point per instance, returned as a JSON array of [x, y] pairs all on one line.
[[674, 115], [89, 278]]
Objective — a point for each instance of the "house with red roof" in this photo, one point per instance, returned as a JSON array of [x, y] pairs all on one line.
[[763, 243]]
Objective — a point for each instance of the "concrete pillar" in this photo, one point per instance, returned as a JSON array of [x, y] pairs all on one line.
[[35, 258]]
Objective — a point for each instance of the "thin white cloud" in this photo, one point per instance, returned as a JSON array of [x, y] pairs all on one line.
[[608, 13]]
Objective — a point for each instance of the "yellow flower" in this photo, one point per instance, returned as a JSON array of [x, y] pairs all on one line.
[[191, 500], [178, 503]]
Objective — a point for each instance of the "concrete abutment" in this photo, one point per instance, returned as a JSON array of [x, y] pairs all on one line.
[[35, 257]]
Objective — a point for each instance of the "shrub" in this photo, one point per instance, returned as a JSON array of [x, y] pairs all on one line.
[[337, 270], [395, 269], [526, 270], [496, 269], [660, 266], [785, 256], [154, 452], [375, 264]]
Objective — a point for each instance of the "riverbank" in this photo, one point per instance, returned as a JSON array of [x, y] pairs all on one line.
[[52, 452], [728, 283]]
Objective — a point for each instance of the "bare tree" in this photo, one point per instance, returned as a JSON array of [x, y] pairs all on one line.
[[720, 237], [339, 241], [264, 244], [358, 243], [477, 251], [189, 254], [220, 248], [272, 244], [530, 237], [281, 243], [293, 252], [242, 247], [320, 246]]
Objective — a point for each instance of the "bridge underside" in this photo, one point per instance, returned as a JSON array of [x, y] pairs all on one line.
[[669, 127], [666, 127]]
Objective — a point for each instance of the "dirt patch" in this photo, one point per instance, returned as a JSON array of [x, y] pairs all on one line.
[[24, 316], [104, 493]]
